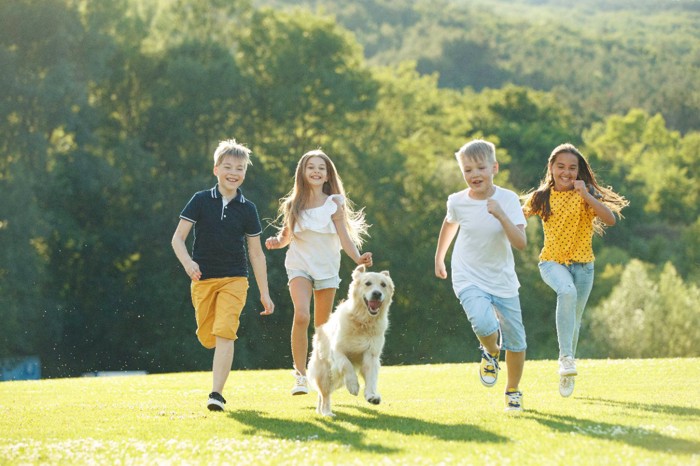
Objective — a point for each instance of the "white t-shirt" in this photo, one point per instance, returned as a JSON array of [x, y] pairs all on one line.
[[482, 255], [315, 246]]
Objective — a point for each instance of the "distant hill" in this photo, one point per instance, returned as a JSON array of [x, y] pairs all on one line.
[[600, 57]]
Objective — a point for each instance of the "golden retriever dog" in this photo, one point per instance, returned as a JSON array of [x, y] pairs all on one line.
[[352, 340]]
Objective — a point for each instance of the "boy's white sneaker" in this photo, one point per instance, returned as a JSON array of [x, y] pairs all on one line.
[[514, 400], [566, 385], [300, 385], [567, 366]]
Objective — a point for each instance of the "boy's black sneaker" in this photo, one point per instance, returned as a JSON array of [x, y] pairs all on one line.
[[216, 402]]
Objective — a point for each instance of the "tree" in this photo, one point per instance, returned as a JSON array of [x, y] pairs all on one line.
[[42, 72], [649, 314], [528, 125], [464, 63], [651, 166]]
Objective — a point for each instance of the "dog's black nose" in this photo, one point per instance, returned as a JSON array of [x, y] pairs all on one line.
[[376, 295]]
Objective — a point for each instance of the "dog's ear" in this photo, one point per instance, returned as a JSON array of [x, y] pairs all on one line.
[[385, 272], [360, 269]]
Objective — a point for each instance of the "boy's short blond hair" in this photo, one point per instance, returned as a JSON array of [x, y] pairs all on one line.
[[477, 150], [232, 148]]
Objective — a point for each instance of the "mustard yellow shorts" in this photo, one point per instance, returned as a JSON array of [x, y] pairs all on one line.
[[218, 303]]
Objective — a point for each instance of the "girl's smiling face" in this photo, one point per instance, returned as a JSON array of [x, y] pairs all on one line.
[[564, 169], [316, 172]]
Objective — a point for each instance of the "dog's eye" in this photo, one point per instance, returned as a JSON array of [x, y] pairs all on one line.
[[368, 283], [383, 285]]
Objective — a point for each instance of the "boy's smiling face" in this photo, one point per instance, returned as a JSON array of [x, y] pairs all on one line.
[[479, 176], [230, 174]]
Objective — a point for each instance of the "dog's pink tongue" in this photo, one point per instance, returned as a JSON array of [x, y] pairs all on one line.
[[374, 305]]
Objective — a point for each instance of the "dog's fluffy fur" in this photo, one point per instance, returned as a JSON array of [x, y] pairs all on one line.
[[352, 340]]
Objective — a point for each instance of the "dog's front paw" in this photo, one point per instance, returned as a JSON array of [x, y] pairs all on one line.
[[374, 399], [353, 386]]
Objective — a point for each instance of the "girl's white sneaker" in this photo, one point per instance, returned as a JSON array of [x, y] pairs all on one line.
[[300, 385], [567, 366], [566, 385]]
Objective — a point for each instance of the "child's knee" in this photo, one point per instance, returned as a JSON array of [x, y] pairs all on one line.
[[568, 291], [302, 318], [484, 327]]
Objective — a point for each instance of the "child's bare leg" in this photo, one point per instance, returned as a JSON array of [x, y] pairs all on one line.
[[490, 343], [301, 292], [515, 362], [323, 305], [221, 366]]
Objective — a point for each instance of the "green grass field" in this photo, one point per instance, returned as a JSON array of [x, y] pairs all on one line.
[[640, 412]]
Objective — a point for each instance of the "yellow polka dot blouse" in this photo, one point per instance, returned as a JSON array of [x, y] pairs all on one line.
[[568, 233]]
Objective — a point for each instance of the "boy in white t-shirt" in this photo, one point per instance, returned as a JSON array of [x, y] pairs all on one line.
[[488, 221]]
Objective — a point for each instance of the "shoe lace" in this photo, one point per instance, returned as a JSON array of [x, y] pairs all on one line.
[[514, 399], [492, 365]]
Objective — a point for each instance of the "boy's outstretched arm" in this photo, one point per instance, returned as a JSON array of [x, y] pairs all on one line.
[[447, 234], [257, 261]]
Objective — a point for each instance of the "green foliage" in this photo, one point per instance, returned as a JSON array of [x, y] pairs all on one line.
[[598, 57], [648, 314], [653, 167], [528, 125], [647, 156], [41, 77], [111, 114]]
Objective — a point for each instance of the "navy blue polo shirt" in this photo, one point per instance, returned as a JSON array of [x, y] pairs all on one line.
[[220, 231]]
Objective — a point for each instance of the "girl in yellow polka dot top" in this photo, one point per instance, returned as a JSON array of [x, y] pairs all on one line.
[[572, 206]]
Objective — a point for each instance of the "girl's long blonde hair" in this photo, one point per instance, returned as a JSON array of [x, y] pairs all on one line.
[[537, 202], [297, 200]]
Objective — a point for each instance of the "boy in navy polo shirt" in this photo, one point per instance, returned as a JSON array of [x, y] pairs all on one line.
[[222, 218]]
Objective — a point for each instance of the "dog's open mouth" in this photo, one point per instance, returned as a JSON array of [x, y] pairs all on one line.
[[373, 306]]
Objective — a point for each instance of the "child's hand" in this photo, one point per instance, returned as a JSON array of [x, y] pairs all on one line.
[[272, 242], [365, 259], [268, 305], [580, 187], [193, 271], [440, 270], [494, 208]]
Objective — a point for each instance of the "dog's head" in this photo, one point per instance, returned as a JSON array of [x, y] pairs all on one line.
[[375, 289]]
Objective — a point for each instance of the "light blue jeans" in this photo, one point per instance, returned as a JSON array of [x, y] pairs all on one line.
[[488, 313], [573, 284]]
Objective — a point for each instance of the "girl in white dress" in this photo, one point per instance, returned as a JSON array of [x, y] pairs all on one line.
[[316, 222]]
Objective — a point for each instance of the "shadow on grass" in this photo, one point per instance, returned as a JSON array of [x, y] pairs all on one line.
[[332, 430], [652, 408], [634, 436]]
